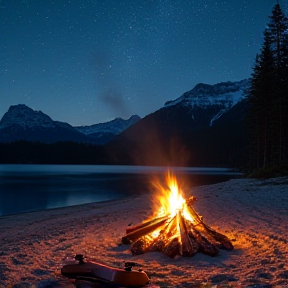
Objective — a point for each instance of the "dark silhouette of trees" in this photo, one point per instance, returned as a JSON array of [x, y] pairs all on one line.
[[25, 152], [268, 96]]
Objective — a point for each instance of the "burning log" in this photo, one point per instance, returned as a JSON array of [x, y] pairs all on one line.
[[205, 246], [141, 245], [145, 224], [149, 244], [136, 234], [181, 231], [172, 248], [189, 244], [163, 237], [221, 240], [190, 201]]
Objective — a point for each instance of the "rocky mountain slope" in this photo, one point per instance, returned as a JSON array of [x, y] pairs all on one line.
[[105, 132], [23, 123], [207, 103], [188, 129]]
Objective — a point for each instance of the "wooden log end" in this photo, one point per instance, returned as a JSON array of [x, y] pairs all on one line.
[[125, 240], [208, 248], [226, 246], [172, 249], [157, 246], [141, 245]]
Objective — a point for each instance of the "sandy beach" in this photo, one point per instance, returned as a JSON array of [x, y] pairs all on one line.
[[253, 214]]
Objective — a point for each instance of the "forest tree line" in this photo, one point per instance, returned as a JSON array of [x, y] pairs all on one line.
[[268, 97], [26, 152]]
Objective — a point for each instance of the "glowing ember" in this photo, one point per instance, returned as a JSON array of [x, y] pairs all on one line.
[[177, 228]]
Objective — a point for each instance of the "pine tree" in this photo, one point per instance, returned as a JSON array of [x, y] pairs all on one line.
[[268, 95], [261, 99], [278, 29]]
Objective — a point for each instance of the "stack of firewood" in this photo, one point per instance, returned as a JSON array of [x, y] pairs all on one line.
[[176, 235]]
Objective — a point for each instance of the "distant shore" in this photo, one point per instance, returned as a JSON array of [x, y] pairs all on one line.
[[252, 213]]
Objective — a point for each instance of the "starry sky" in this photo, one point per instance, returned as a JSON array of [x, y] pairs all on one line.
[[89, 61]]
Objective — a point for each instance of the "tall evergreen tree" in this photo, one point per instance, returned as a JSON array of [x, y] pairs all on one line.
[[278, 28], [261, 99], [268, 95]]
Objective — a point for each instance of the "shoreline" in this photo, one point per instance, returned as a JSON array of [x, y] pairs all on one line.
[[252, 213], [65, 185]]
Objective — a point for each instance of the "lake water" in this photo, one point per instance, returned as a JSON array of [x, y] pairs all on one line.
[[26, 188]]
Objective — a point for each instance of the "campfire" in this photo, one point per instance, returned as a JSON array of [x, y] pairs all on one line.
[[176, 228]]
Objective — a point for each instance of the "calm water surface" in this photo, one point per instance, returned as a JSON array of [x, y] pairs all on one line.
[[26, 188]]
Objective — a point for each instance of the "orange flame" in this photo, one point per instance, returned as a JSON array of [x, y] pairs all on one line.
[[170, 198]]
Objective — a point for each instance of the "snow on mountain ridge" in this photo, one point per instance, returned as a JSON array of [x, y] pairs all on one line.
[[22, 122], [26, 117], [223, 96], [202, 95], [115, 126]]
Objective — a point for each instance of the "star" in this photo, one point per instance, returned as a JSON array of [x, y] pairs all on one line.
[[137, 53]]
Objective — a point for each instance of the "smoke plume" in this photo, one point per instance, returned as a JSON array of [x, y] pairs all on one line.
[[110, 91]]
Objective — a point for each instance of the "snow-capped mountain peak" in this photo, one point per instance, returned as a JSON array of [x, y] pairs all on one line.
[[115, 126], [223, 95], [229, 93], [23, 123], [22, 115]]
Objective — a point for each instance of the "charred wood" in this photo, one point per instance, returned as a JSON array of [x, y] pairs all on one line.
[[188, 247], [217, 238], [204, 245], [158, 245], [190, 201], [172, 248], [145, 224], [163, 237], [225, 243], [133, 236], [208, 248], [141, 245]]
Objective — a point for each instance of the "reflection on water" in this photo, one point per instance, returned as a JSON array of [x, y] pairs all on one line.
[[37, 187]]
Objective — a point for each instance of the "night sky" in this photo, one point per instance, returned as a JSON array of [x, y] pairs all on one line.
[[89, 61]]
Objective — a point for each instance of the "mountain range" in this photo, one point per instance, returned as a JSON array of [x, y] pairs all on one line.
[[200, 122], [105, 132], [23, 123]]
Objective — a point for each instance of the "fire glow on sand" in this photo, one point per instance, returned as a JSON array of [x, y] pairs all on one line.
[[176, 228]]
